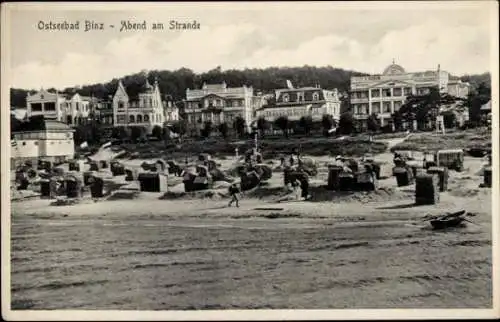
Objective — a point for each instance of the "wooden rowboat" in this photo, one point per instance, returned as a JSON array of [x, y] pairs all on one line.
[[449, 220], [445, 223]]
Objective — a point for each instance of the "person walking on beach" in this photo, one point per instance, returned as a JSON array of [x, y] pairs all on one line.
[[234, 192]]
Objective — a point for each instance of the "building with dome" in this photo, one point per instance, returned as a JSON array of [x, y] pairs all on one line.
[[144, 109], [386, 93]]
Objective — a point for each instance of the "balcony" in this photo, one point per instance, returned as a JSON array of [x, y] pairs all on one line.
[[359, 100]]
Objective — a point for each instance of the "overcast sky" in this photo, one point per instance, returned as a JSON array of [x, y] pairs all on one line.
[[360, 36]]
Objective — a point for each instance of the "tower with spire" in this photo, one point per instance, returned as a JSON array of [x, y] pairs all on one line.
[[143, 110]]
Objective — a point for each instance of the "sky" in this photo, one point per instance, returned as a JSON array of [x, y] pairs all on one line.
[[360, 36]]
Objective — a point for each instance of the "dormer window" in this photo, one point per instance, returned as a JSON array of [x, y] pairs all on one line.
[[286, 98]]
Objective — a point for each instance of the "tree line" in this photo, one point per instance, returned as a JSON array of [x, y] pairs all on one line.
[[175, 83]]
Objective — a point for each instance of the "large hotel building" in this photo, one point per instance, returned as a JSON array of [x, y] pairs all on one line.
[[218, 104], [386, 93]]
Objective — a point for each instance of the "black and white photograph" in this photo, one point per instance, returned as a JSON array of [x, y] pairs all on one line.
[[250, 160]]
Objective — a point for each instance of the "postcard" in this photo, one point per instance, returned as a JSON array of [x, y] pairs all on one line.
[[264, 160]]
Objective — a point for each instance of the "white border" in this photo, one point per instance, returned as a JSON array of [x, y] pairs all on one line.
[[60, 315]]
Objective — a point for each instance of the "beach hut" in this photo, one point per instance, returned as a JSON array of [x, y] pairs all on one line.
[[74, 186], [427, 189], [86, 177], [366, 181], [57, 186], [76, 165], [202, 170], [333, 177], [404, 175], [487, 176], [117, 169], [94, 166], [45, 188], [347, 180], [442, 173], [22, 180], [249, 180], [96, 187], [130, 174], [152, 182], [188, 180]]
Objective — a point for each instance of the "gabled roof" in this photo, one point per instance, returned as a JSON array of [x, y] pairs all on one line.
[[43, 94], [121, 89]]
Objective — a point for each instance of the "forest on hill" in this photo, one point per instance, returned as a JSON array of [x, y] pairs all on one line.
[[175, 83]]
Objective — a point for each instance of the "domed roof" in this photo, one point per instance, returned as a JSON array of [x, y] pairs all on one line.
[[394, 69]]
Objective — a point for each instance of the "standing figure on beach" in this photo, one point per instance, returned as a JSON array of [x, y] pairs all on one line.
[[234, 192]]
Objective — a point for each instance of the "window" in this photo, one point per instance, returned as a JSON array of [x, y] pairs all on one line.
[[376, 107], [397, 91], [50, 106], [397, 105], [407, 91], [77, 106], [286, 98], [131, 119], [139, 118], [375, 92], [120, 119], [387, 107], [121, 105], [36, 107], [363, 109], [315, 96], [146, 118], [386, 92]]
